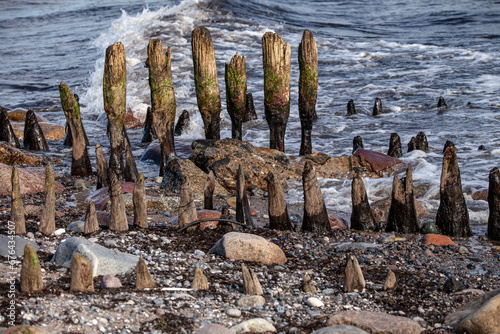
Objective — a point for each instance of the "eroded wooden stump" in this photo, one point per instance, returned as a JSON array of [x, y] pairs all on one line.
[[31, 271], [494, 204], [277, 207], [139, 200], [236, 93], [315, 214], [17, 208], [362, 217], [402, 212], [48, 218]]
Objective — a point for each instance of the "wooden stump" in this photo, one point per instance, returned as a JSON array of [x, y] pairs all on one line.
[[81, 274], [452, 217], [494, 204], [91, 224], [114, 93], [395, 149], [102, 167], [315, 214], [441, 103], [208, 192], [182, 123], [163, 105], [251, 284], [308, 89], [200, 281], [377, 107], [187, 209], [250, 113], [351, 109], [34, 139], [206, 81], [31, 271], [277, 207], [277, 65], [130, 170], [139, 199], [235, 76], [117, 208], [47, 220], [353, 276], [390, 281], [362, 217], [421, 142], [80, 161], [402, 212], [308, 285], [357, 142], [149, 133], [143, 280], [17, 208], [6, 132], [243, 215]]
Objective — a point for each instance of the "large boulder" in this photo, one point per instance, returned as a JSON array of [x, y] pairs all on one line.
[[248, 247], [375, 161], [104, 261], [480, 315], [19, 244], [376, 322], [31, 179]]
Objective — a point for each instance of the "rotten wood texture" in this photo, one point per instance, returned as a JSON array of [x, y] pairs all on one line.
[[251, 284], [353, 276], [494, 204], [235, 76], [80, 161], [208, 192], [395, 149], [308, 89], [143, 280], [17, 208], [48, 218], [377, 107], [163, 105], [91, 224], [452, 217], [31, 271], [149, 133], [6, 132], [402, 212], [130, 171], [139, 200], [250, 113], [187, 209], [34, 139], [117, 207], [277, 207], [115, 93], [243, 215], [362, 217], [277, 65], [101, 166], [315, 214], [81, 274], [206, 81]]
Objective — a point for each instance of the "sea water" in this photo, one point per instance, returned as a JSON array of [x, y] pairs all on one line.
[[407, 53]]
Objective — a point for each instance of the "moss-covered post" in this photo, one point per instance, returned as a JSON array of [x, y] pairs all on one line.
[[163, 104], [206, 82], [31, 271], [80, 162], [236, 93], [17, 208], [48, 218], [277, 66], [115, 93], [308, 88]]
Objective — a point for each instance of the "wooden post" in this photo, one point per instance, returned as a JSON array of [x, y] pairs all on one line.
[[395, 149], [362, 217], [149, 133], [114, 93], [6, 132], [251, 284], [47, 221], [243, 215], [402, 212], [442, 103], [117, 206], [101, 166], [34, 139], [452, 217], [236, 93], [163, 104], [353, 276], [187, 209], [182, 123], [208, 192], [130, 170], [143, 280], [421, 142], [315, 214], [494, 204], [377, 107], [308, 88], [31, 271], [250, 113], [91, 224], [200, 281], [357, 142], [351, 109], [139, 199], [80, 163], [81, 274], [206, 81], [17, 208], [277, 65], [277, 208]]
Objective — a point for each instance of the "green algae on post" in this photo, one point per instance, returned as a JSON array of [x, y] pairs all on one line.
[[236, 93]]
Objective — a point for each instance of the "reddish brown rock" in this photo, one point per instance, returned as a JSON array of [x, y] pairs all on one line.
[[336, 222], [51, 131], [208, 214], [104, 218], [19, 115], [131, 122], [438, 240], [31, 180], [378, 161], [101, 196]]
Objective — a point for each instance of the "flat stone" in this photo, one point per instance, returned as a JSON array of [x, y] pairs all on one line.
[[314, 302], [340, 330], [213, 329], [257, 325], [19, 244], [104, 261], [356, 246], [233, 312], [376, 322], [438, 240], [248, 247], [378, 161], [251, 301]]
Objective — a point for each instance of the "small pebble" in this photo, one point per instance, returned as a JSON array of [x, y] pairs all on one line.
[[314, 302]]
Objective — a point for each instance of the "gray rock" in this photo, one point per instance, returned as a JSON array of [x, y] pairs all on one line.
[[104, 261], [77, 226], [257, 325], [18, 242], [213, 329], [233, 312], [356, 246], [376, 322], [110, 282], [429, 227], [251, 301], [340, 330], [387, 239]]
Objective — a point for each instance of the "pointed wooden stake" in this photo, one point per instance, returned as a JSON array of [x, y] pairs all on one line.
[[402, 212], [31, 272], [250, 113], [377, 107], [357, 142], [182, 123], [277, 64], [81, 274], [163, 105], [187, 209], [308, 89], [144, 280], [315, 214], [130, 170], [251, 285], [395, 149], [243, 215], [441, 103], [34, 139], [117, 208], [200, 281], [101, 166], [362, 217], [208, 191], [114, 92], [47, 221], [277, 207], [206, 81], [353, 276], [351, 109], [6, 132], [91, 224], [80, 162], [17, 208], [390, 281], [236, 93], [139, 199], [149, 133]]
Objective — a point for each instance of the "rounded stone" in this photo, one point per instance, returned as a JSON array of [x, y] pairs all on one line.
[[314, 302]]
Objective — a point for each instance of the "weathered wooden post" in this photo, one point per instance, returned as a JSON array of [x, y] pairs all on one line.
[[115, 92], [163, 106], [441, 103], [80, 162], [81, 274], [315, 214], [277, 66], [351, 109], [277, 207], [395, 149], [34, 139], [47, 220], [308, 88], [357, 142], [149, 133], [117, 203], [6, 132], [182, 123], [17, 208], [377, 107], [243, 215], [31, 271], [208, 191], [206, 81], [362, 217], [101, 166], [236, 93], [91, 224], [187, 209], [402, 212], [452, 217], [130, 172], [139, 200], [494, 204], [250, 113]]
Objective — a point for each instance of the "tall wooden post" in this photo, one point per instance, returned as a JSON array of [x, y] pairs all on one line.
[[494, 204], [277, 66], [163, 104], [236, 93], [48, 218], [114, 92], [206, 82], [308, 88]]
